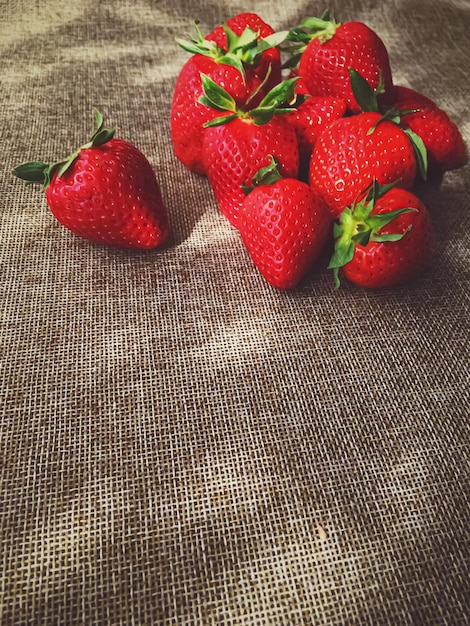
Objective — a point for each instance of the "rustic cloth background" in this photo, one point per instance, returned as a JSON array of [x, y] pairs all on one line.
[[180, 443]]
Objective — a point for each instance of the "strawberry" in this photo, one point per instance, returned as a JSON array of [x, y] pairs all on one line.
[[310, 117], [384, 239], [105, 192], [444, 143], [284, 225], [237, 70], [236, 144], [329, 49], [269, 61], [353, 151]]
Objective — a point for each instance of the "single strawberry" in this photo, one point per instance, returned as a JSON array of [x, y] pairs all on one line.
[[353, 151], [269, 62], [310, 117], [444, 143], [237, 70], [236, 143], [284, 225], [105, 192], [384, 239], [325, 50]]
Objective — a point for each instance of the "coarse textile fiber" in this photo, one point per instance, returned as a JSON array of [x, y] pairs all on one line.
[[180, 443]]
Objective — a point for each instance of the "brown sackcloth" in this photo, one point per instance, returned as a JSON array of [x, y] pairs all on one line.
[[180, 443]]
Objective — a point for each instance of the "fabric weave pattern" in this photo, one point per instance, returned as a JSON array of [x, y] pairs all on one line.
[[181, 444]]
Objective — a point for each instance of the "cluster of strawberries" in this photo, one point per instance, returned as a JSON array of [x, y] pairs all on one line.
[[323, 147], [329, 152]]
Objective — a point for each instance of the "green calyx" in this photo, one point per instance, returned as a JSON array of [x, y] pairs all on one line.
[[267, 175], [322, 28], [275, 102], [40, 172], [358, 226], [367, 99], [244, 49]]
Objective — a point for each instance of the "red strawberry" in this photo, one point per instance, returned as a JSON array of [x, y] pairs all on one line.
[[270, 59], [331, 49], [384, 239], [444, 143], [284, 225], [106, 192], [236, 145], [236, 70], [311, 117], [188, 116], [353, 151]]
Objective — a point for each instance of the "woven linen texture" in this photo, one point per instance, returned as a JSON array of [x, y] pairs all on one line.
[[181, 444]]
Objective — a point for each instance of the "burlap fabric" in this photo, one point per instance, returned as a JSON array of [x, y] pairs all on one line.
[[180, 443]]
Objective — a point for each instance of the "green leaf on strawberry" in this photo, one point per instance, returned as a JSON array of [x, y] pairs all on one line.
[[322, 28], [200, 45], [242, 42], [300, 36], [215, 96], [364, 94], [241, 49], [267, 175], [421, 153], [277, 101]]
